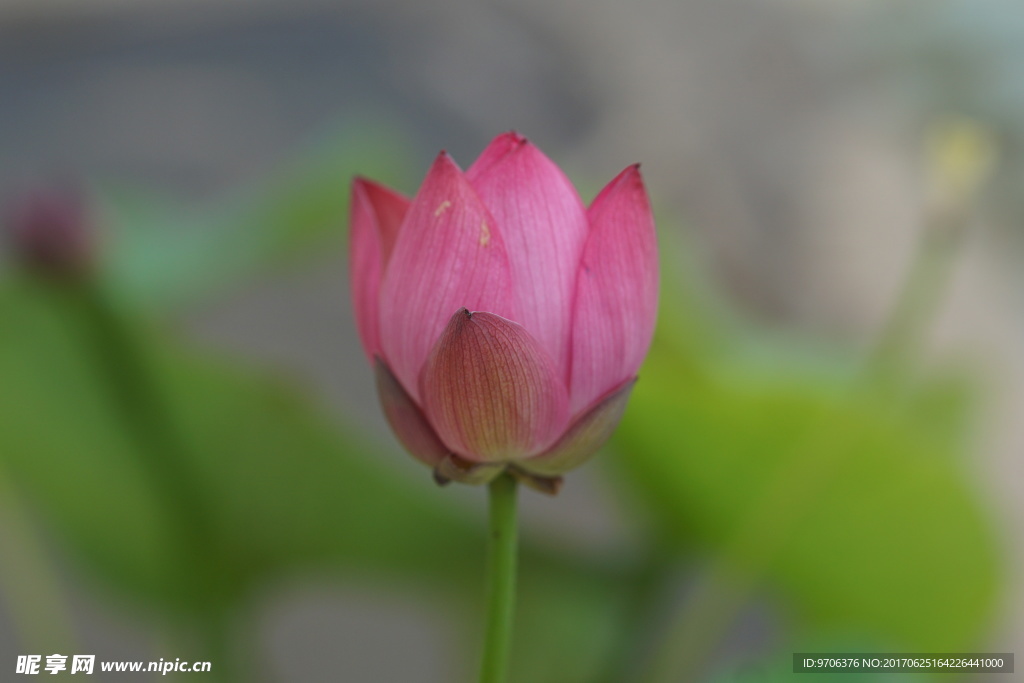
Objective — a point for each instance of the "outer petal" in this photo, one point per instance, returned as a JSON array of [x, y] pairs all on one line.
[[544, 226], [406, 419], [375, 215], [491, 391], [616, 291], [586, 435], [449, 255]]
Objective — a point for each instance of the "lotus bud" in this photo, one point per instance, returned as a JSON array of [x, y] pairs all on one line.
[[505, 320]]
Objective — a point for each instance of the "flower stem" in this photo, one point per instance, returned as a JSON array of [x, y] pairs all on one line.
[[501, 580], [128, 367], [960, 160]]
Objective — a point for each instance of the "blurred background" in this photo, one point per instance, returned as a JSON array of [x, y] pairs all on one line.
[[823, 452]]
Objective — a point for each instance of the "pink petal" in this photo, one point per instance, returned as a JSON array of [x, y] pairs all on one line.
[[491, 391], [616, 293], [375, 215], [584, 438], [406, 419], [544, 226], [449, 255]]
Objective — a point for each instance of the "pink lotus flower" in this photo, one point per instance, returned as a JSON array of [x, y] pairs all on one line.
[[506, 321]]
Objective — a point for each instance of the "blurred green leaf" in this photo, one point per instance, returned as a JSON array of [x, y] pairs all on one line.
[[294, 490], [161, 255], [848, 504], [944, 406], [285, 488], [61, 440]]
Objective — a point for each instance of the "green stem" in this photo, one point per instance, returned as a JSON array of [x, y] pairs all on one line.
[[501, 580], [961, 157], [137, 392], [920, 297]]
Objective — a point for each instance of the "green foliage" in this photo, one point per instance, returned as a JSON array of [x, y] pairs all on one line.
[[61, 440], [282, 488], [838, 495]]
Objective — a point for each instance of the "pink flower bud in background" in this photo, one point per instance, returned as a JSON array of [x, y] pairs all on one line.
[[50, 232], [506, 321]]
